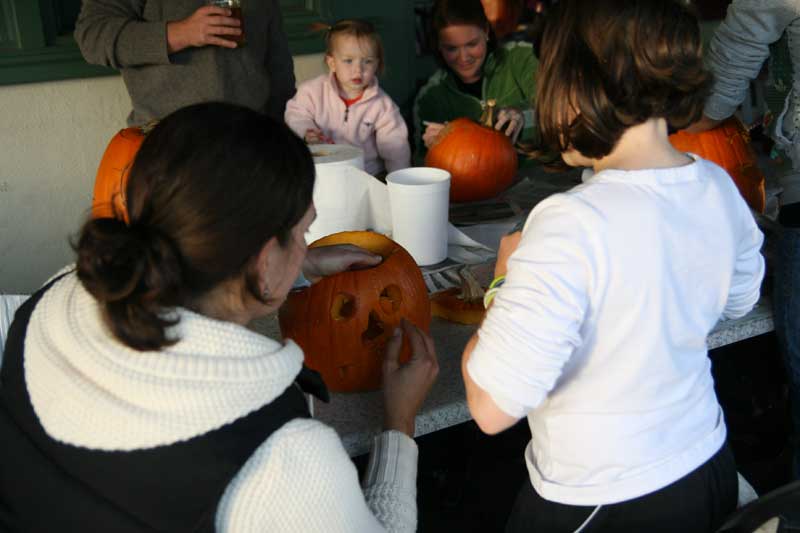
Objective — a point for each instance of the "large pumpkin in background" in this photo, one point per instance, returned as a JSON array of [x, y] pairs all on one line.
[[728, 145], [503, 15], [108, 200], [344, 321], [481, 160]]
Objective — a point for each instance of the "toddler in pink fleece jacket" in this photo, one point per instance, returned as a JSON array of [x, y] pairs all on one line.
[[347, 106]]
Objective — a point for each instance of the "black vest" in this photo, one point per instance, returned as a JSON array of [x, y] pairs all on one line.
[[50, 486]]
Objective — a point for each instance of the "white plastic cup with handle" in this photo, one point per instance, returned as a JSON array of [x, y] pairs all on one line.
[[420, 199]]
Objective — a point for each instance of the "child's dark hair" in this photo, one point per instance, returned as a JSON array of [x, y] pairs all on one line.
[[459, 13], [360, 29], [210, 185], [608, 65]]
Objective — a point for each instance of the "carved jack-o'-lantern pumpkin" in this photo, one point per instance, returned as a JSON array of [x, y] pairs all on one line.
[[344, 321], [481, 161], [728, 145]]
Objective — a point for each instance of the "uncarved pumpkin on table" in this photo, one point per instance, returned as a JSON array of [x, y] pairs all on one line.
[[344, 321], [108, 200], [481, 160], [728, 145]]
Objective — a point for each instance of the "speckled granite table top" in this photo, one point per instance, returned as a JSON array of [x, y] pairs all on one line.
[[358, 417]]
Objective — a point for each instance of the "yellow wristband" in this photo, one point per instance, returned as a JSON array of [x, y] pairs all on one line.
[[497, 282], [489, 296]]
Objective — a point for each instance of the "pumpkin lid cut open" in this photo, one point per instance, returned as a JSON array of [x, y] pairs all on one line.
[[463, 304]]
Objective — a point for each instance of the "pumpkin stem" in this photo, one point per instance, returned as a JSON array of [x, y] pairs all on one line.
[[147, 128], [487, 117], [471, 290]]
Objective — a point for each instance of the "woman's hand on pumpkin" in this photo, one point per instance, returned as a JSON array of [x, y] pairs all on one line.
[[405, 386], [704, 124], [508, 244], [510, 121], [432, 131], [329, 260], [207, 26]]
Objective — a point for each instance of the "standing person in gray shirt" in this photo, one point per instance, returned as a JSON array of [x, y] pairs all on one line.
[[174, 53], [752, 32]]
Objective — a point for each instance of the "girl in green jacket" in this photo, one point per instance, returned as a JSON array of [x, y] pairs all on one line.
[[474, 69]]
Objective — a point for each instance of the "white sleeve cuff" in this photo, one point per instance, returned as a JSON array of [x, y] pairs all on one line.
[[393, 461]]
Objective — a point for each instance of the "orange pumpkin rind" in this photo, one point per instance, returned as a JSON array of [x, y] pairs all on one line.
[[728, 145], [463, 305], [482, 161], [344, 321]]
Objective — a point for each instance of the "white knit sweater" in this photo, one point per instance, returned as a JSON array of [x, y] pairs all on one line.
[[90, 390]]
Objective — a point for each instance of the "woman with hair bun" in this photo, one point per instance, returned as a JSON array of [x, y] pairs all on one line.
[[133, 396]]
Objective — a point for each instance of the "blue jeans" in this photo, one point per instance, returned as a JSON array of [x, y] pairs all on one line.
[[786, 306]]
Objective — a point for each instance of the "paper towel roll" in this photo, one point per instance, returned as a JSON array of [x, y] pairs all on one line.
[[334, 202], [332, 155]]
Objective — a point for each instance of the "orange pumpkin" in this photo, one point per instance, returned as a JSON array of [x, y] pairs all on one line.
[[481, 160], [728, 145], [503, 15], [344, 321], [108, 200], [460, 304]]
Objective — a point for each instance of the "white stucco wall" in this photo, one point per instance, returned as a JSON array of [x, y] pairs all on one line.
[[52, 136]]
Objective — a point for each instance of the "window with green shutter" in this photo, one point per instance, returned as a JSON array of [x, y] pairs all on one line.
[[36, 42]]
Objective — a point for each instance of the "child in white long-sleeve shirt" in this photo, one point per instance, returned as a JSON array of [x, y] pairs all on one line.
[[598, 331], [347, 106]]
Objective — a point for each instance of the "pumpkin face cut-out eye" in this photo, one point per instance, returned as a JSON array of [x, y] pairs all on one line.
[[343, 307], [391, 299], [375, 328]]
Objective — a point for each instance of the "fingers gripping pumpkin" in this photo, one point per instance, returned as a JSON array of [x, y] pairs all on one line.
[[481, 160], [344, 321]]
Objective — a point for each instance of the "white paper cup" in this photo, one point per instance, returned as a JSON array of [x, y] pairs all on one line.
[[420, 199]]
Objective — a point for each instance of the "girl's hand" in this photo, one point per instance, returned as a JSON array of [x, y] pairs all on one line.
[[406, 386], [432, 130], [511, 120], [315, 136], [508, 244], [329, 260]]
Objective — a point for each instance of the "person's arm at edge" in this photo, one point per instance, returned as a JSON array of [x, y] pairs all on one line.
[[391, 137], [737, 53], [280, 65], [112, 33]]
